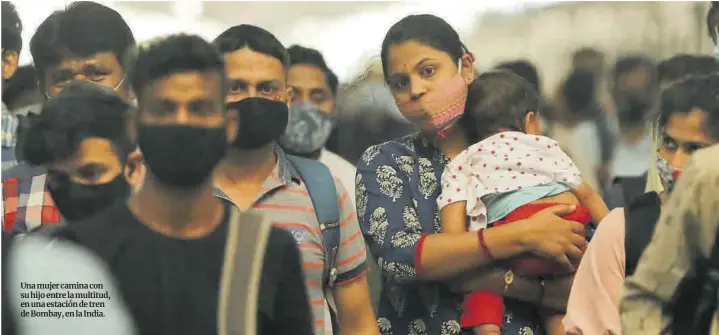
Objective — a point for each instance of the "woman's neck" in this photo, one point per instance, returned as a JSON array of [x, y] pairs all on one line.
[[453, 143]]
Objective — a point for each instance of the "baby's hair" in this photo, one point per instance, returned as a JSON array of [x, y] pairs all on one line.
[[497, 101]]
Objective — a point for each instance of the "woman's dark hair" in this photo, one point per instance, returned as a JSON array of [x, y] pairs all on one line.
[[696, 93], [426, 29], [683, 65], [497, 100]]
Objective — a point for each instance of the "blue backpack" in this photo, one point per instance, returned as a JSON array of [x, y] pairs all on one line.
[[320, 185]]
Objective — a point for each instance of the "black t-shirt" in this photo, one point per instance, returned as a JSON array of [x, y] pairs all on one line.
[[171, 285]]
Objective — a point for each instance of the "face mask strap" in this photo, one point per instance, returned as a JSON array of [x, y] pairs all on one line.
[[49, 97]]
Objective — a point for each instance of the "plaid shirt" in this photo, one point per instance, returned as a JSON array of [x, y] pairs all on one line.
[[9, 125], [27, 203]]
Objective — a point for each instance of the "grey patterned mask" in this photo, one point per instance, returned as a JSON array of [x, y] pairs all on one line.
[[308, 129]]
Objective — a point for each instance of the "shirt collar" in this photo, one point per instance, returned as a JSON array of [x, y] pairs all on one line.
[[283, 174]]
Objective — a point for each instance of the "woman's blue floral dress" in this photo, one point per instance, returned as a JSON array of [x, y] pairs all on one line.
[[397, 186]]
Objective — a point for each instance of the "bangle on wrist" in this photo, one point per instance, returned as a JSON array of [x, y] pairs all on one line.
[[483, 244]]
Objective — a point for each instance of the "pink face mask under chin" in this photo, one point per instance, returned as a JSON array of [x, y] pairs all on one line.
[[443, 105]]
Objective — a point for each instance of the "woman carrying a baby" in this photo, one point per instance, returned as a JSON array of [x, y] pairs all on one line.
[[511, 173]]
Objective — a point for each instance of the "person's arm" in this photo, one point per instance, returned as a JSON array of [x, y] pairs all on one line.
[[590, 198], [410, 253], [454, 218], [593, 306], [293, 314], [351, 292], [685, 232]]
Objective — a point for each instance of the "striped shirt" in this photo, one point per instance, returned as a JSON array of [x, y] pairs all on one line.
[[285, 200]]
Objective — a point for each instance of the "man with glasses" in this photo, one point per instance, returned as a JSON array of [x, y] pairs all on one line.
[[84, 42]]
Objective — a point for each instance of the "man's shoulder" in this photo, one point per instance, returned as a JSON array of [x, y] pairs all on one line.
[[98, 230], [24, 170]]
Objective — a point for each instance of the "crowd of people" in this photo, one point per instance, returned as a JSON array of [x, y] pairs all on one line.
[[211, 187]]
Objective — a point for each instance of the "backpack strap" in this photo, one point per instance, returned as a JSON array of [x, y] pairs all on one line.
[[641, 217], [247, 238], [320, 185]]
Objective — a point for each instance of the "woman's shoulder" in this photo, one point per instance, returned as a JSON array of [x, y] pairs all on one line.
[[403, 146]]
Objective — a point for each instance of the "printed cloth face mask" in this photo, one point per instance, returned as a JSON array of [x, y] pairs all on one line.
[[444, 105], [667, 174]]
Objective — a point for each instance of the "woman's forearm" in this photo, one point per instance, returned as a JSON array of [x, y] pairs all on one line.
[[445, 256]]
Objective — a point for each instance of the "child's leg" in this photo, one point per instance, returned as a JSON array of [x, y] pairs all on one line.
[[488, 330], [552, 321], [483, 312]]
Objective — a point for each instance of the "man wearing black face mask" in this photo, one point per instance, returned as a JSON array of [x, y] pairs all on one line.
[[172, 246], [81, 139], [313, 116], [257, 174]]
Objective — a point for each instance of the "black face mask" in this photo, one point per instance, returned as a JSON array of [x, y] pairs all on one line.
[[182, 156], [261, 121], [79, 201], [634, 111]]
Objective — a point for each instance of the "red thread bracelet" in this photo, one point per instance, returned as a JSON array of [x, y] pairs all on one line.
[[483, 243]]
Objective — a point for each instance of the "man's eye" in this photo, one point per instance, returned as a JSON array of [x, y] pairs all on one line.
[[268, 90]]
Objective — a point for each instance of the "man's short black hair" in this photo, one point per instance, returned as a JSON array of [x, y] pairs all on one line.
[[695, 93], [629, 64], [524, 69], [302, 55], [579, 92], [683, 66], [82, 110], [11, 28], [82, 29], [174, 54], [23, 81], [255, 38]]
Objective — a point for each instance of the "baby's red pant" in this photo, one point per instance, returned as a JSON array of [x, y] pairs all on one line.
[[484, 307]]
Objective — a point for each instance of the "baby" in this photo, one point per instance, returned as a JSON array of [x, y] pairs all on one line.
[[509, 175]]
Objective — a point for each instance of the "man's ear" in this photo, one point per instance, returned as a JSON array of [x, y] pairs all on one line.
[[9, 64], [289, 93], [135, 170]]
